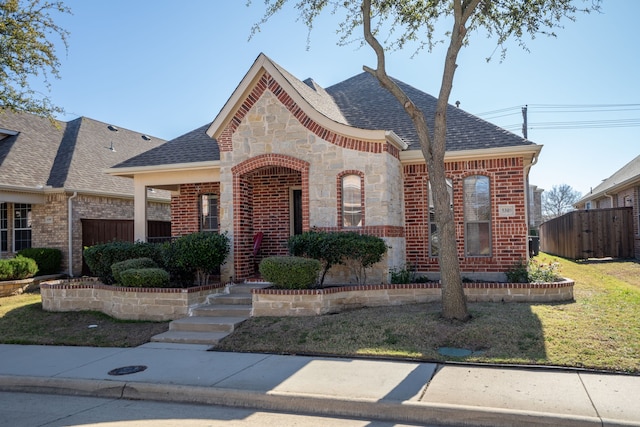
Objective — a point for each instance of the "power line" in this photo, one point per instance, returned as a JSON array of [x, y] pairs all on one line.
[[569, 109]]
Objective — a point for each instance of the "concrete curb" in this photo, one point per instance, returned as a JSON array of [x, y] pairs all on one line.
[[408, 411]]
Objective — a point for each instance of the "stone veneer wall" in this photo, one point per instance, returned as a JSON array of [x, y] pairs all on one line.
[[270, 130], [154, 304], [279, 302]]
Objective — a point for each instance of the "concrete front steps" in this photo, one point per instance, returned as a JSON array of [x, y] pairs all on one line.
[[208, 323]]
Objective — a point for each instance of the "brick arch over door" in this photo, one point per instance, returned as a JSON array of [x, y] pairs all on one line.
[[244, 263]]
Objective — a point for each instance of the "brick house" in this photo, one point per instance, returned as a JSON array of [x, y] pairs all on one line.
[[284, 156], [52, 179], [622, 189]]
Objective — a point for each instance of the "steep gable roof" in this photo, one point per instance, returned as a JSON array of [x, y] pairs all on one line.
[[357, 107], [626, 175], [71, 155]]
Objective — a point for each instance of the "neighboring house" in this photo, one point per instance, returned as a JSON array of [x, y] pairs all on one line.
[[535, 207], [622, 189], [52, 178], [284, 156]]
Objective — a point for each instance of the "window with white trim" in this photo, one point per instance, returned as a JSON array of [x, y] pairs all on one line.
[[209, 213], [477, 216], [4, 227], [21, 226], [351, 201], [434, 238]]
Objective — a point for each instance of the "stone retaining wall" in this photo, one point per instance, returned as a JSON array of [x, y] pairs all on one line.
[[15, 287], [279, 302], [155, 304]]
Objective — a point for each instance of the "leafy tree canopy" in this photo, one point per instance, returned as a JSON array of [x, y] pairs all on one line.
[[27, 50]]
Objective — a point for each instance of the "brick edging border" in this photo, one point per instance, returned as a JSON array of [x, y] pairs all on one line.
[[430, 285]]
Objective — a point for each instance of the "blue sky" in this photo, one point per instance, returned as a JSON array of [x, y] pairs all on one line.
[[164, 68]]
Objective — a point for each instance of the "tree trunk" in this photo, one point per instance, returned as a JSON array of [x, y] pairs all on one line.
[[454, 303]]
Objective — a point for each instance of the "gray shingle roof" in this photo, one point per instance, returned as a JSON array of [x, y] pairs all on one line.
[[360, 102], [366, 104], [194, 146], [72, 156]]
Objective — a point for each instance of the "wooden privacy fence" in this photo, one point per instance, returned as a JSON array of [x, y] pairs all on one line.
[[594, 233], [96, 231]]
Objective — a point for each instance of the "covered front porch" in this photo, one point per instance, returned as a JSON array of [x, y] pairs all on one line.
[[265, 195]]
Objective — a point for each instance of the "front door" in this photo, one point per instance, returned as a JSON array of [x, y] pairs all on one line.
[[296, 211]]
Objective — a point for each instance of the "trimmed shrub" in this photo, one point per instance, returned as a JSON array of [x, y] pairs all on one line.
[[358, 251], [17, 268], [327, 248], [135, 263], [178, 274], [145, 278], [49, 260], [101, 257], [200, 253], [362, 251], [290, 272]]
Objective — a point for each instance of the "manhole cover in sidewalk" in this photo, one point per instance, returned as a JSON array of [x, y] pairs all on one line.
[[126, 370]]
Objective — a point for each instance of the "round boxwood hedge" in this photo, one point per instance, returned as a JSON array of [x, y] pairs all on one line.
[[290, 272], [129, 264]]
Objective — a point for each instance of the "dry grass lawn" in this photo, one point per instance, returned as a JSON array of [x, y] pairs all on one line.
[[599, 330]]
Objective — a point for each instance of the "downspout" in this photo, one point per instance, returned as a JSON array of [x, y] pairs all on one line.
[[610, 199], [526, 192], [70, 237], [528, 199]]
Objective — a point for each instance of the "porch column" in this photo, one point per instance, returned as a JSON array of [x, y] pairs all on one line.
[[139, 211]]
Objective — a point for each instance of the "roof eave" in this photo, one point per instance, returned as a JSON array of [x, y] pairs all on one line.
[[606, 192], [531, 151], [129, 172]]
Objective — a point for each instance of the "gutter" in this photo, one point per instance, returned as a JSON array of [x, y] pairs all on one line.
[[527, 193], [70, 231]]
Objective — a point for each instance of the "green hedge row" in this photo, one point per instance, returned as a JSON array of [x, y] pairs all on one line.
[[189, 260]]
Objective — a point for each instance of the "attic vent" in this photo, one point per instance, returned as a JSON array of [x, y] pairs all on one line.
[[112, 128], [146, 137]]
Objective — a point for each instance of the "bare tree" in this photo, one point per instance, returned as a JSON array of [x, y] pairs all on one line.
[[26, 49], [558, 201], [402, 22]]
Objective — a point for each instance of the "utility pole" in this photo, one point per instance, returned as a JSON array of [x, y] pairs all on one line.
[[524, 122]]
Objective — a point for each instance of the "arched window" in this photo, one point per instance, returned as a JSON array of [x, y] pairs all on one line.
[[351, 201], [434, 238], [477, 216]]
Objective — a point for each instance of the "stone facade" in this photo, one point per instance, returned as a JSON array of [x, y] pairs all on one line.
[[268, 150]]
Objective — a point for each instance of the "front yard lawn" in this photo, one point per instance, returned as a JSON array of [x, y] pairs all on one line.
[[599, 330]]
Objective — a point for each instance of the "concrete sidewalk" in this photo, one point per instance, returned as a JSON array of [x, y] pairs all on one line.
[[424, 393]]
